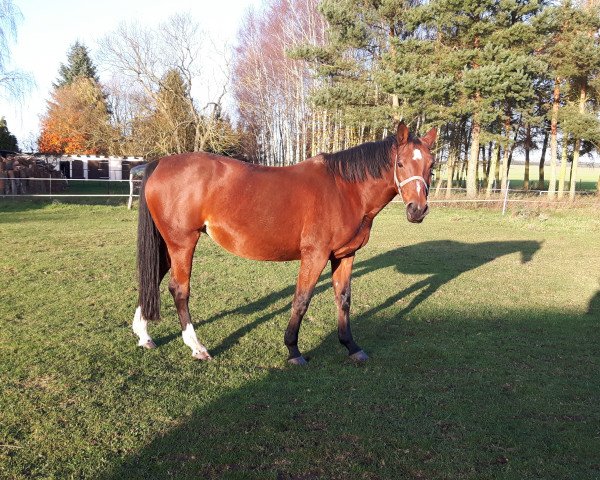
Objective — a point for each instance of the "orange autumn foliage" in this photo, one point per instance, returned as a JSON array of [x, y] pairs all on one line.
[[76, 121]]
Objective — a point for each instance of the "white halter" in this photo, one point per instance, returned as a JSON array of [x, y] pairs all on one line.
[[399, 184]]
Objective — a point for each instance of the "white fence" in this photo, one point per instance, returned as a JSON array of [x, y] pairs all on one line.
[[56, 188]]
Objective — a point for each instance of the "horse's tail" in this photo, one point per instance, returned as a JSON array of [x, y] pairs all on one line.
[[150, 248]]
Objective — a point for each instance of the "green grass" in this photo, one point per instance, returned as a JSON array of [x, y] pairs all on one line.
[[97, 187], [483, 333], [587, 177]]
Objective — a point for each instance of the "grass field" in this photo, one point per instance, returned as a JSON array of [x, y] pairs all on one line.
[[483, 333], [587, 176]]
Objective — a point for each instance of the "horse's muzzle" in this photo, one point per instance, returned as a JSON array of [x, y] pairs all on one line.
[[415, 213]]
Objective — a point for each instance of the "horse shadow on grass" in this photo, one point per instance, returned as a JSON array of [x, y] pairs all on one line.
[[411, 404], [466, 398], [441, 260], [594, 306]]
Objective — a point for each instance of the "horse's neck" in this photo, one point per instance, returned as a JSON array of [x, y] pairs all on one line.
[[376, 194], [372, 194]]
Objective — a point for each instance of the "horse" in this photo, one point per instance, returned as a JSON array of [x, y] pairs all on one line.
[[317, 211]]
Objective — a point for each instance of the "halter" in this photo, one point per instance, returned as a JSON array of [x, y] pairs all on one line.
[[399, 184]]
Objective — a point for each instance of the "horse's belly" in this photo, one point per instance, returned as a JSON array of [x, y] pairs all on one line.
[[254, 246]]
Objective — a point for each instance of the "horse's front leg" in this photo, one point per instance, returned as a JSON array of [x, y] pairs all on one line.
[[341, 270], [311, 266]]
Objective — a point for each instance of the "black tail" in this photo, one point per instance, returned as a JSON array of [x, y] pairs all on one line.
[[150, 249]]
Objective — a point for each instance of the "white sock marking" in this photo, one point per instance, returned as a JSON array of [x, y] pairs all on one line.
[[140, 327], [190, 339]]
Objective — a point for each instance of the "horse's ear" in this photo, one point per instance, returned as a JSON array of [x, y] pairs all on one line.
[[429, 138], [402, 133]]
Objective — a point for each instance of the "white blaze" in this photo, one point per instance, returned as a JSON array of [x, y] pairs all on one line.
[[417, 154]]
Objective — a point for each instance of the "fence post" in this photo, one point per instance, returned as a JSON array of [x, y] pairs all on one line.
[[130, 201], [505, 197]]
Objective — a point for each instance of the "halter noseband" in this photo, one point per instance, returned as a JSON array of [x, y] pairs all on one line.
[[399, 184]]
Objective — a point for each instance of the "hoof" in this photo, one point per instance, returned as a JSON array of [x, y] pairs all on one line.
[[202, 356], [359, 357], [149, 345], [298, 361]]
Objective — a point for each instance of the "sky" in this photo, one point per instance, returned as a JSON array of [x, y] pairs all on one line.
[[49, 27]]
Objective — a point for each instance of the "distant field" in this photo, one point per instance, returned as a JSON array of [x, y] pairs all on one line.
[[587, 176], [483, 333]]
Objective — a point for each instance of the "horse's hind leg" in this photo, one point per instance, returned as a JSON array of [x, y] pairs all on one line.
[[140, 324], [181, 269]]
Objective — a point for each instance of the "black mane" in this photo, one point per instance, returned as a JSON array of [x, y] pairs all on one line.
[[353, 164]]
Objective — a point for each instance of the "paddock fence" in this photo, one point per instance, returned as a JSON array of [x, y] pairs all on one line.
[[128, 190]]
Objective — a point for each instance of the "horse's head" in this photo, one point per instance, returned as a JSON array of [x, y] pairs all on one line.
[[413, 166]]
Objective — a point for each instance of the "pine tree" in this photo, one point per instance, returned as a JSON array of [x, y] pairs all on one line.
[[358, 36], [7, 140], [573, 53], [79, 64], [481, 58]]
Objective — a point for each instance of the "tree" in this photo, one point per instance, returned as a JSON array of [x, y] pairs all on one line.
[[13, 83], [573, 53], [79, 64], [169, 126], [155, 71], [468, 66], [272, 85], [77, 120], [7, 140]]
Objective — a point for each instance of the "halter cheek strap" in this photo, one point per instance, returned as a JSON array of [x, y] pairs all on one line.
[[399, 184]]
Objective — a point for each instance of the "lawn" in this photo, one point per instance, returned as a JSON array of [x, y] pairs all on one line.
[[483, 332], [587, 177]]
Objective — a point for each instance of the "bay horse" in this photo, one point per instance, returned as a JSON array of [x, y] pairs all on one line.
[[316, 211]]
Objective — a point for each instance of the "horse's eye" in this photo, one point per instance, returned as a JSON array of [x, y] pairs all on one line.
[[399, 164]]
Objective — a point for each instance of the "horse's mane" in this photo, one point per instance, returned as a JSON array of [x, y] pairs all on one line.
[[353, 164]]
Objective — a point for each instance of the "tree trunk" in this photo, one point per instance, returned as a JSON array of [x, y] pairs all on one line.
[[563, 167], [473, 160], [485, 165], [582, 98], [512, 148], [450, 168], [505, 156], [493, 167], [541, 185], [553, 139], [527, 148], [490, 148], [504, 169], [438, 176], [313, 139], [324, 140]]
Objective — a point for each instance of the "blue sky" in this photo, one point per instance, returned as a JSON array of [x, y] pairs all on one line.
[[49, 27]]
